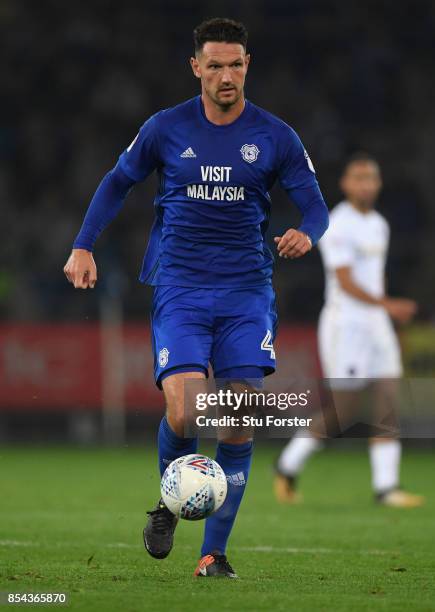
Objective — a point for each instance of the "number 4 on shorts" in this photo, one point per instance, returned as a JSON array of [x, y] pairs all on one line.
[[266, 344]]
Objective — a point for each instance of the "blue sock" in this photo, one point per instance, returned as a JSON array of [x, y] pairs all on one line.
[[235, 460], [172, 446]]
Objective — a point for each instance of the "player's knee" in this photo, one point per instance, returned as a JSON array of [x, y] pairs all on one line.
[[176, 419]]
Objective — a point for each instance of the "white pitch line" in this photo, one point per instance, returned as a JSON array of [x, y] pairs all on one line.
[[287, 549], [258, 549], [12, 543], [312, 551]]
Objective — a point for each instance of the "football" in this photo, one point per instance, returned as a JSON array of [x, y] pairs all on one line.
[[193, 487]]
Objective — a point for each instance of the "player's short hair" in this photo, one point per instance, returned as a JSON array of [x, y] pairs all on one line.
[[219, 29], [356, 158]]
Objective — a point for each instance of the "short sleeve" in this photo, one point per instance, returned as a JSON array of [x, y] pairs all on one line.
[[337, 248], [142, 156], [295, 168]]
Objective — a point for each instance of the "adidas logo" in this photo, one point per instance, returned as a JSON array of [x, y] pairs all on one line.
[[237, 479], [188, 153]]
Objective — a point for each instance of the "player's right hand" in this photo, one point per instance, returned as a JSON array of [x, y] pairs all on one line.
[[80, 269], [401, 310], [293, 244]]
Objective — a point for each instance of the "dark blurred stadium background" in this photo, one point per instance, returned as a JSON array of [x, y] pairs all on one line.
[[78, 79]]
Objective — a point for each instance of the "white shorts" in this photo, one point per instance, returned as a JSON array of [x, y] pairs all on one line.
[[358, 350]]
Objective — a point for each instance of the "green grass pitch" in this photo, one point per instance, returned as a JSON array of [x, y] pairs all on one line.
[[71, 520]]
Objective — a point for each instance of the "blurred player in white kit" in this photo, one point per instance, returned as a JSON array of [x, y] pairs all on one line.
[[358, 346]]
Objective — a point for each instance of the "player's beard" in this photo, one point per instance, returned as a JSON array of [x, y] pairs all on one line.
[[223, 103]]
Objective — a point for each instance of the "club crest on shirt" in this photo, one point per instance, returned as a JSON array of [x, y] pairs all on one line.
[[250, 152], [163, 357]]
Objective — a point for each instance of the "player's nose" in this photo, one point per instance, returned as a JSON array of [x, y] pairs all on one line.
[[226, 75]]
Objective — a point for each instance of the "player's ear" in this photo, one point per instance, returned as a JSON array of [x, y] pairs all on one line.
[[195, 67], [247, 59]]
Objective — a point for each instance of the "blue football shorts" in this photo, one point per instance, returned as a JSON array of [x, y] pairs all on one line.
[[224, 327]]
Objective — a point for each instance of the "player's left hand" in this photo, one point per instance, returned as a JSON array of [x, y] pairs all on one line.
[[293, 244], [401, 310]]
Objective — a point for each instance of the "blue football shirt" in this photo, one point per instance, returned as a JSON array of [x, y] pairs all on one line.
[[213, 204]]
